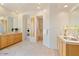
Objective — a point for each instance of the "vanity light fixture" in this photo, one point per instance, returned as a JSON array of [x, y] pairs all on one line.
[[65, 6]]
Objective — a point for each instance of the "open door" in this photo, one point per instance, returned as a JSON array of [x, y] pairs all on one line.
[[39, 31]]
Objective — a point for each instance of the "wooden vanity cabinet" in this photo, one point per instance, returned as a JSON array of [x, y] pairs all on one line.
[[9, 39], [68, 48]]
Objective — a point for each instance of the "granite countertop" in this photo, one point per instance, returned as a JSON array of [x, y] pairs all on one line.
[[68, 41]]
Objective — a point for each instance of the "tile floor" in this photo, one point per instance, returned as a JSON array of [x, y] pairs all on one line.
[[27, 48]]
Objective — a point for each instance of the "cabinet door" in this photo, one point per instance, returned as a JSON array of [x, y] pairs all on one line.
[[10, 39], [18, 37], [3, 41], [73, 50]]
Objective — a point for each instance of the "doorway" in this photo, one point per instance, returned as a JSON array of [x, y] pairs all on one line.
[[26, 27], [39, 29]]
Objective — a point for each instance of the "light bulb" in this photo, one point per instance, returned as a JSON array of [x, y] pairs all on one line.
[[65, 6]]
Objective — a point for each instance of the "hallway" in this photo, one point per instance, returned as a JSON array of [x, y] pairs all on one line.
[[27, 48]]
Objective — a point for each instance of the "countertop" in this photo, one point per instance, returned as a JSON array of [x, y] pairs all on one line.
[[8, 33], [67, 41]]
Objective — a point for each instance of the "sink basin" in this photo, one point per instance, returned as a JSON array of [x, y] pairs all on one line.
[[71, 38]]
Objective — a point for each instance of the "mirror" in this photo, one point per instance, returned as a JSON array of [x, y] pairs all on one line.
[[10, 23], [74, 17], [6, 24]]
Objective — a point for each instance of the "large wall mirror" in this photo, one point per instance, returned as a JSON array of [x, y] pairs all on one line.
[[6, 24], [74, 17]]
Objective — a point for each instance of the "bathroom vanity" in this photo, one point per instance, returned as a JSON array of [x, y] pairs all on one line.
[[9, 34], [8, 39], [68, 46]]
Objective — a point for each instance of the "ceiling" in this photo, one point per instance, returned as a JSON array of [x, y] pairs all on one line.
[[24, 7], [27, 7]]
